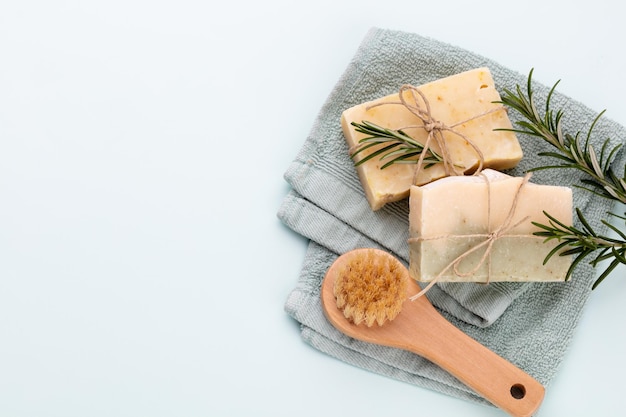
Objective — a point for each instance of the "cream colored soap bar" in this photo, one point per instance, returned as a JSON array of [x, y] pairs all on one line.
[[451, 216], [452, 100]]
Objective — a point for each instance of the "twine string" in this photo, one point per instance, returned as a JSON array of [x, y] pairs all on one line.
[[490, 238], [435, 130]]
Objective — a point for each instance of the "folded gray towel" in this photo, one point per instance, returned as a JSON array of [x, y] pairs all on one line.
[[530, 324]]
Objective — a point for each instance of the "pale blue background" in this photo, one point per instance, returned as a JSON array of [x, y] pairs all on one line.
[[142, 145]]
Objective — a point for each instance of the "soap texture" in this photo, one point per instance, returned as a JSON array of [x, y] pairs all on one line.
[[480, 228], [466, 107]]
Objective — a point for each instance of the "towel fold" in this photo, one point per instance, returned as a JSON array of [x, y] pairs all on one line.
[[530, 324]]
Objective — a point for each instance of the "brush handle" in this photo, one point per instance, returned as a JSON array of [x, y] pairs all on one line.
[[490, 375]]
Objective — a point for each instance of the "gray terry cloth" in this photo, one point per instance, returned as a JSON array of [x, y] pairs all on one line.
[[530, 324]]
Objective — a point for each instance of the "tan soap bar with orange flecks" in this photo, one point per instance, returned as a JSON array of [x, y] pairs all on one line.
[[449, 218], [454, 99]]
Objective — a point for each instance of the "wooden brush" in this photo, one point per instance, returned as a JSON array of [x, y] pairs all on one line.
[[353, 304]]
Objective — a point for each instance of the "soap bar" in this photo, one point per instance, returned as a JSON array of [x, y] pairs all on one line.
[[450, 217], [452, 100]]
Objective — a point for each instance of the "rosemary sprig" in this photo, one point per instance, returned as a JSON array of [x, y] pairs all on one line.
[[400, 148], [599, 179], [583, 242], [570, 152]]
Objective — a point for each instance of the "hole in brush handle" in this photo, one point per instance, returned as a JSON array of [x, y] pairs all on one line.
[[518, 391]]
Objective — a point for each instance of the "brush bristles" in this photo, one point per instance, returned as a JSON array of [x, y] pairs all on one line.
[[371, 289]]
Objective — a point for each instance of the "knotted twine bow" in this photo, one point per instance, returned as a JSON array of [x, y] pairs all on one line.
[[490, 238], [435, 129]]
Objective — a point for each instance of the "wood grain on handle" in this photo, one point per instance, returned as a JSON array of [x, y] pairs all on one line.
[[422, 330]]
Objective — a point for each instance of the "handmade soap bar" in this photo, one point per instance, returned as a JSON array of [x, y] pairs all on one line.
[[452, 100], [451, 219]]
